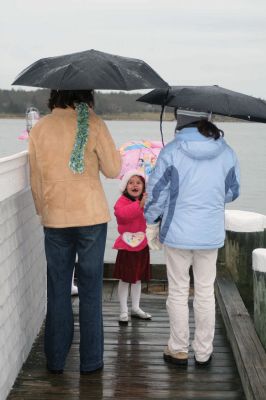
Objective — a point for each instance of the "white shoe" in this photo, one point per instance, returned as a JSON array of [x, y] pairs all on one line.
[[123, 318], [140, 314], [74, 290]]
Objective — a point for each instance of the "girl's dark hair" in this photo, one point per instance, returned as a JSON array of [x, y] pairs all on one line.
[[67, 98], [208, 129]]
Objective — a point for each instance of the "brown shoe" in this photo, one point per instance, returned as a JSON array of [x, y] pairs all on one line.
[[178, 357]]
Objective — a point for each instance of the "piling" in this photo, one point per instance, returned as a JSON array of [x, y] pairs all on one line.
[[244, 233], [259, 280], [264, 246]]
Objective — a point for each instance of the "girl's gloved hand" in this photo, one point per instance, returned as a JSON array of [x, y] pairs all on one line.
[[152, 234]]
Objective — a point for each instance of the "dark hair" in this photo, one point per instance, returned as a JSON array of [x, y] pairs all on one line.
[[208, 129], [67, 98]]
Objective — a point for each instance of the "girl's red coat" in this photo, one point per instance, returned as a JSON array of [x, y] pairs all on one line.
[[130, 218]]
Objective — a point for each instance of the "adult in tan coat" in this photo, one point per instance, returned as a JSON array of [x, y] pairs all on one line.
[[67, 150]]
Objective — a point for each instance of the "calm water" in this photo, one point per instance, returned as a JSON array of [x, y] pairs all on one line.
[[248, 140]]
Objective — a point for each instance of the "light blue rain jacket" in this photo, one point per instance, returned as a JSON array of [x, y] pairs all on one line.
[[193, 179]]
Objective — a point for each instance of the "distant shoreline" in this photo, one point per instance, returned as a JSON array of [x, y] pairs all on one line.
[[144, 116], [11, 116]]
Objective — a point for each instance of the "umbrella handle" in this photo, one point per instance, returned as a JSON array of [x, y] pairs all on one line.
[[161, 123], [161, 115]]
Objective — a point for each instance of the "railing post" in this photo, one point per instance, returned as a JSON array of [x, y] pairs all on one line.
[[22, 269], [259, 279], [244, 232]]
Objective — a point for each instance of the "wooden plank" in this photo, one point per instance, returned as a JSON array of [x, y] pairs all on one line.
[[248, 351], [133, 364]]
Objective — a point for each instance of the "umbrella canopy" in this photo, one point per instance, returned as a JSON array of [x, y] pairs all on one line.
[[214, 99], [90, 69], [140, 155]]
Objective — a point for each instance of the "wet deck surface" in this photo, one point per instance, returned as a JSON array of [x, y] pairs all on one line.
[[134, 366]]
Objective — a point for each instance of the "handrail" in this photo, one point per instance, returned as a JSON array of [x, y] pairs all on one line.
[[13, 174]]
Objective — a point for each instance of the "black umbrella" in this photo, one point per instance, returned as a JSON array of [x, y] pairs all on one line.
[[90, 69], [214, 99]]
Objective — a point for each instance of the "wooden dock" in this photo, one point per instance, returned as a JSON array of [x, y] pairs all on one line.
[[134, 366]]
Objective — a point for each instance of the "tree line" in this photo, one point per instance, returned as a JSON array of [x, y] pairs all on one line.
[[15, 102]]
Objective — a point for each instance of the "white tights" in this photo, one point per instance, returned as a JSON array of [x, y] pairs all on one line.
[[135, 290]]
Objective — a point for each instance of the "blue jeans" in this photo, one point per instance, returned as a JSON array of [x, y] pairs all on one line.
[[61, 247]]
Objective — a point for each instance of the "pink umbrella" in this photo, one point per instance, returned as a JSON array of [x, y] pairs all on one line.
[[140, 155]]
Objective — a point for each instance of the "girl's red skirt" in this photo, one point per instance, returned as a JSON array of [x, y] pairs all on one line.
[[133, 266]]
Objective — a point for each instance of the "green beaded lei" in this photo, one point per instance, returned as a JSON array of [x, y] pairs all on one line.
[[76, 162]]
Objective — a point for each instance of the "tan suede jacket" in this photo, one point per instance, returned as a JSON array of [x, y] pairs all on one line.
[[62, 198]]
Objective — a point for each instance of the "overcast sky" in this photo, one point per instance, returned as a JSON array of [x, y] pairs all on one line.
[[190, 42]]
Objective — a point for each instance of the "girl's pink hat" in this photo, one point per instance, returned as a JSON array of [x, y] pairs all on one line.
[[127, 176]]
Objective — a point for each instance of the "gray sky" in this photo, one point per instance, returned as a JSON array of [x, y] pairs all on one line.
[[188, 42]]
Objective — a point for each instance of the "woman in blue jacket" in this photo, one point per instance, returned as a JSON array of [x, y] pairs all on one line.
[[195, 175]]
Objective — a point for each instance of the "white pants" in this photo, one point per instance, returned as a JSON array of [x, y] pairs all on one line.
[[178, 262]]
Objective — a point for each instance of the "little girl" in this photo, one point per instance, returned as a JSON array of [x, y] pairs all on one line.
[[133, 257]]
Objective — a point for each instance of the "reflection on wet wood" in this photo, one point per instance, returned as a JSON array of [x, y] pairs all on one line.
[[134, 366]]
